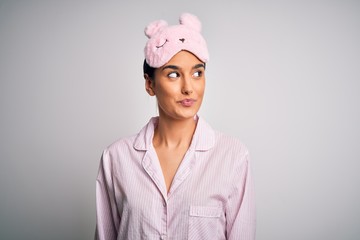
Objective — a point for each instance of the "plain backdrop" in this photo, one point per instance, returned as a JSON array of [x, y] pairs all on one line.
[[283, 76]]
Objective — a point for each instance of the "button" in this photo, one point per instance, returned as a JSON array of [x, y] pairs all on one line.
[[163, 237]]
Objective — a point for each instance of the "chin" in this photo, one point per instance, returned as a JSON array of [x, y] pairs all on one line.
[[187, 115], [180, 113]]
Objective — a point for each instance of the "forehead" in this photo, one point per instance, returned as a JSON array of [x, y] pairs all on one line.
[[184, 59]]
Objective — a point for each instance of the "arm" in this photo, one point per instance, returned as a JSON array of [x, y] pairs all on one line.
[[107, 218], [240, 210]]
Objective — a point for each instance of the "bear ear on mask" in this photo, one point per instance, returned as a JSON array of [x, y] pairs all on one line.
[[165, 41], [155, 27], [190, 21]]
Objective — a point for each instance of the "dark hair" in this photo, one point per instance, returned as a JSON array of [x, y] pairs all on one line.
[[150, 71]]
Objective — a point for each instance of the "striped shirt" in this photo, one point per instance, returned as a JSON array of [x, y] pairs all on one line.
[[211, 195]]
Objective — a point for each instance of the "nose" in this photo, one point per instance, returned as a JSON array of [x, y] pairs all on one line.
[[187, 87], [186, 91]]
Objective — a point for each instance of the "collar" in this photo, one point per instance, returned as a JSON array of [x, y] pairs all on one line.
[[203, 138]]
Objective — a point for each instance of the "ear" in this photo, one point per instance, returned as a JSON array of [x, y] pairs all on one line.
[[149, 85], [154, 27], [190, 21]]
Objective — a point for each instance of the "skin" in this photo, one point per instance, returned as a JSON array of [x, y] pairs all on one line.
[[183, 77]]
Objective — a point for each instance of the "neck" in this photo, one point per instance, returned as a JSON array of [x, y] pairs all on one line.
[[173, 133]]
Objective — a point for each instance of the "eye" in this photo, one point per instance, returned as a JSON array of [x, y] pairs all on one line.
[[197, 74], [162, 44], [173, 75]]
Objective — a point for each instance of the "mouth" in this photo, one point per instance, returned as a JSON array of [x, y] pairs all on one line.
[[187, 102]]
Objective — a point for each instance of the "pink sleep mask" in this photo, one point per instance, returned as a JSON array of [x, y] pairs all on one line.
[[165, 41]]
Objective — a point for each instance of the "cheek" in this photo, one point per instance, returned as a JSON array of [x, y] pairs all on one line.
[[200, 88], [165, 93], [170, 89]]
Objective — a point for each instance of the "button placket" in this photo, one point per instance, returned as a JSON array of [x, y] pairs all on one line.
[[163, 235]]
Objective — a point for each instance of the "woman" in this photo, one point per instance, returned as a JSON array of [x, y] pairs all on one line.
[[177, 178]]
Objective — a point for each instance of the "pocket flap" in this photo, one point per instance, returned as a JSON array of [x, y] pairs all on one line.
[[204, 211]]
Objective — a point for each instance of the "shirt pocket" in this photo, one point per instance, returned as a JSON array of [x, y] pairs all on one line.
[[204, 222]]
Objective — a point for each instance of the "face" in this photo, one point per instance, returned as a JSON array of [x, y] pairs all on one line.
[[178, 86]]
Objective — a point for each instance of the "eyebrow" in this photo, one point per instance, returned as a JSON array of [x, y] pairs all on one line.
[[174, 67]]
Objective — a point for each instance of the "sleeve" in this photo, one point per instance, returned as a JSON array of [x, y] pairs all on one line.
[[107, 217], [240, 210]]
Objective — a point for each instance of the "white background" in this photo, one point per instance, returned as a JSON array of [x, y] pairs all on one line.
[[283, 76]]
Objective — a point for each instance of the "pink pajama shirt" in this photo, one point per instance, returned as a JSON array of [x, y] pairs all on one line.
[[211, 196]]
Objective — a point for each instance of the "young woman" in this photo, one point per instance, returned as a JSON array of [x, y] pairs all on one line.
[[177, 178]]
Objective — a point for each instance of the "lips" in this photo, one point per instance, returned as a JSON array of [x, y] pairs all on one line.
[[188, 102]]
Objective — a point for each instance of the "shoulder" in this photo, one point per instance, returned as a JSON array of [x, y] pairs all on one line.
[[220, 142], [130, 149], [118, 149], [235, 156], [230, 152], [230, 143], [121, 143], [120, 155]]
